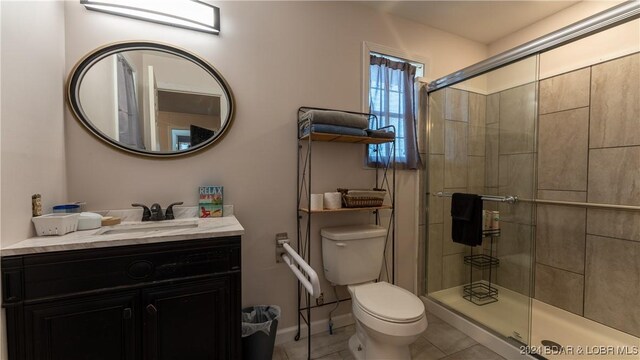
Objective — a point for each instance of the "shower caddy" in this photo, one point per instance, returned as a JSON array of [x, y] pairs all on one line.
[[481, 292], [385, 178]]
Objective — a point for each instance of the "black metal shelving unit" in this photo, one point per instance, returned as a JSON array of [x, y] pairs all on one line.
[[481, 292], [385, 178]]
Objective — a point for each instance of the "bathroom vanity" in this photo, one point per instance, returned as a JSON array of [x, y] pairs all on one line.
[[169, 293]]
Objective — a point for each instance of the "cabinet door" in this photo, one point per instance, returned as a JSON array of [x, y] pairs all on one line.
[[187, 321], [89, 328]]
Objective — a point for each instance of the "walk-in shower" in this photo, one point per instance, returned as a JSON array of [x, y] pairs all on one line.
[[562, 135]]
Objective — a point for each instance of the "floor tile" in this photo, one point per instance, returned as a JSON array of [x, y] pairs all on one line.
[[422, 349], [446, 338], [476, 352], [322, 344], [439, 340], [279, 353], [334, 356], [346, 355]]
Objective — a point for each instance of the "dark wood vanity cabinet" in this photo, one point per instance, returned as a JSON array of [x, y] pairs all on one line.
[[174, 300], [95, 327]]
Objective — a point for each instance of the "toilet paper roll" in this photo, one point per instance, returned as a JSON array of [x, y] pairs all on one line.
[[317, 202], [332, 200]]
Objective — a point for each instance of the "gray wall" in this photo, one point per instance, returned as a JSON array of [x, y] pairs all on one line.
[[456, 164], [589, 150]]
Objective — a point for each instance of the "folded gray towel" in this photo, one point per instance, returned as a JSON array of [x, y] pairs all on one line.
[[381, 134], [339, 118]]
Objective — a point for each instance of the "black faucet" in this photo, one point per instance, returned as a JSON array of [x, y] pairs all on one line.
[[146, 213], [168, 215], [155, 213]]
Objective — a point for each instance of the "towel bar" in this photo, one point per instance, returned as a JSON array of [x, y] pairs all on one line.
[[512, 199], [508, 199]]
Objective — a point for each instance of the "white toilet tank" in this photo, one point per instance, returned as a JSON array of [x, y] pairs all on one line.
[[352, 254]]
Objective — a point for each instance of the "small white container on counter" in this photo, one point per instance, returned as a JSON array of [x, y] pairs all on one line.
[[55, 224], [89, 220]]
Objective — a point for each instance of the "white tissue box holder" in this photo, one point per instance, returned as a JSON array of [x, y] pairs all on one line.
[[55, 224]]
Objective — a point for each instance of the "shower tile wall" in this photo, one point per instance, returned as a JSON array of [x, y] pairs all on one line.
[[456, 164], [509, 170], [589, 150]]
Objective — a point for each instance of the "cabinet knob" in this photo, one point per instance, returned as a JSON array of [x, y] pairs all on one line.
[[151, 309], [126, 313]]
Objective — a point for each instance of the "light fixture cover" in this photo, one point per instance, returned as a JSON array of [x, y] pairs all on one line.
[[189, 14]]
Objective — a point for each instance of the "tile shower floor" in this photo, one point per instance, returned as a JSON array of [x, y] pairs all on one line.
[[439, 341]]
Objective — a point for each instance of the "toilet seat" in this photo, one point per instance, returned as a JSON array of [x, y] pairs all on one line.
[[388, 302], [388, 309]]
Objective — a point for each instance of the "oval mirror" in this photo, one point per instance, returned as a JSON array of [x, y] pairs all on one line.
[[150, 99]]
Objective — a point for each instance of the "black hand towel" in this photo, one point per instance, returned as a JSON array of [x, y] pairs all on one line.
[[466, 215]]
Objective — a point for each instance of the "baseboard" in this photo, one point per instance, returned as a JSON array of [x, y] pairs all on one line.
[[318, 326], [474, 331]]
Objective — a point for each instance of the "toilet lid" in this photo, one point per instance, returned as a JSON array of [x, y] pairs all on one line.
[[389, 302]]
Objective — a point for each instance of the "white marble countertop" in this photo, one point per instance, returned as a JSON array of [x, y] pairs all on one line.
[[117, 235]]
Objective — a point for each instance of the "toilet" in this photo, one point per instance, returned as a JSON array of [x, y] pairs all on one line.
[[388, 318]]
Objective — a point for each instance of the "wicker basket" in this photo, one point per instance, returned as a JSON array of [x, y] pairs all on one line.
[[362, 198]]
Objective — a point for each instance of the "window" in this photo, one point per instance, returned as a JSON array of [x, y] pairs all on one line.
[[392, 100]]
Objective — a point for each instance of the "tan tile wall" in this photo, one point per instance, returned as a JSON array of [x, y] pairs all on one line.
[[589, 150], [456, 164]]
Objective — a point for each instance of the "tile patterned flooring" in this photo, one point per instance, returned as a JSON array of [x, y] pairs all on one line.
[[439, 341]]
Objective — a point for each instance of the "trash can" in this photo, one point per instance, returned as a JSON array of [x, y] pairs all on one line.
[[259, 326]]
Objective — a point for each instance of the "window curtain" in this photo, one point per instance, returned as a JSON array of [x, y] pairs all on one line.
[[128, 118], [392, 100]]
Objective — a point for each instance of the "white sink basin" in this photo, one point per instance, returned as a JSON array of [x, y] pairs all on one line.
[[148, 227]]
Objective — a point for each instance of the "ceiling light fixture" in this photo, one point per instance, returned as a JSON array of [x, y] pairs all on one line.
[[188, 14]]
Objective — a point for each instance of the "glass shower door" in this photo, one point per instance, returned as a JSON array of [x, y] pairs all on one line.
[[481, 140]]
